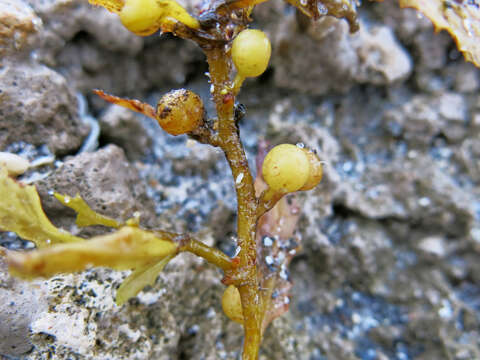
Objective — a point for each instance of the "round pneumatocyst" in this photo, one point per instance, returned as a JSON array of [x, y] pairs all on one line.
[[251, 52], [286, 168], [180, 112], [141, 16]]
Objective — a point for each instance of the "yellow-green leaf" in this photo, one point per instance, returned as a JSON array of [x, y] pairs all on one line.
[[139, 278], [22, 213], [460, 18], [85, 215], [126, 248]]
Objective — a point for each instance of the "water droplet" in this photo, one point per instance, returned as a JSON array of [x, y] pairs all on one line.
[[412, 154], [269, 260], [468, 26], [34, 55], [424, 201], [267, 241], [239, 178], [284, 273], [193, 330], [348, 166], [322, 9], [210, 313], [356, 318], [300, 145], [446, 310], [360, 167], [475, 234], [237, 251], [29, 245]]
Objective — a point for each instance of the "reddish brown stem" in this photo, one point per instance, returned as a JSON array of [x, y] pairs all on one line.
[[246, 273], [212, 255]]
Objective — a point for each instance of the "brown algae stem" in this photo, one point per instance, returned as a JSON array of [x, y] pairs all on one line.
[[212, 255], [247, 283]]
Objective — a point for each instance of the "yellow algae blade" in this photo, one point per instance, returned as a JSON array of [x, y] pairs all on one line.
[[22, 213], [85, 215], [126, 248], [139, 278]]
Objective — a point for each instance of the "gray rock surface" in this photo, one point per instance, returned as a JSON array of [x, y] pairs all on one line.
[[372, 56], [312, 73], [63, 20], [423, 118], [123, 128], [105, 180], [381, 59], [20, 305], [38, 107]]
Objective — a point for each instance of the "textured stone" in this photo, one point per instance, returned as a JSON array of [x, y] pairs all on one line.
[[88, 66], [468, 155], [37, 107], [381, 59], [336, 60], [104, 54], [430, 196], [321, 68], [123, 128], [433, 246], [466, 77], [105, 180], [18, 23], [63, 20], [82, 319], [405, 22], [170, 61], [20, 305], [422, 118], [432, 52]]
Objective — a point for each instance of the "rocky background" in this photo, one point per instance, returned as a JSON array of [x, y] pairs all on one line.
[[390, 266]]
